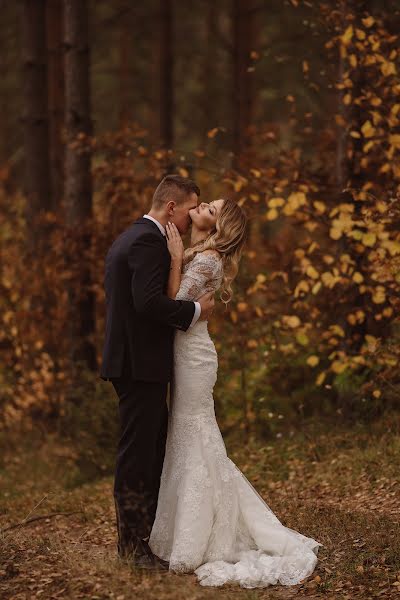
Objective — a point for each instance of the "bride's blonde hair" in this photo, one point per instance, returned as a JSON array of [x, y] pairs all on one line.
[[228, 239]]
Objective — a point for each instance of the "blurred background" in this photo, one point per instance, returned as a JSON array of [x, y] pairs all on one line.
[[289, 106]]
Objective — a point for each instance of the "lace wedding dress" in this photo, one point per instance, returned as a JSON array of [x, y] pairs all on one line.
[[210, 520]]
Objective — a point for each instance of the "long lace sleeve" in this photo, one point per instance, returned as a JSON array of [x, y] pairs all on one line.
[[203, 274]]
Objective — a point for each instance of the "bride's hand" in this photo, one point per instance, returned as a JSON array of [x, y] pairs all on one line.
[[174, 242]]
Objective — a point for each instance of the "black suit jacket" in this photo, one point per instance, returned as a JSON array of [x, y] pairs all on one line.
[[140, 318]]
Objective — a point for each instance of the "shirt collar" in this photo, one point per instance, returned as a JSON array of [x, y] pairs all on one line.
[[160, 227]]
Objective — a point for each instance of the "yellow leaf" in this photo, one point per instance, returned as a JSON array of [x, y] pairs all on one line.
[[357, 234], [320, 378], [355, 134], [394, 140], [261, 278], [313, 360], [353, 60], [241, 306], [316, 287], [183, 172], [275, 202], [377, 393], [301, 287], [255, 173], [234, 316], [367, 129], [328, 279], [347, 99], [238, 185], [388, 68], [305, 67], [357, 277], [291, 320], [302, 338], [338, 367], [376, 101], [368, 239], [337, 329], [351, 318], [252, 344], [371, 340], [295, 200], [379, 295], [367, 147], [328, 259], [312, 272], [271, 214], [347, 36], [319, 206], [388, 311], [385, 168], [368, 21], [361, 35], [335, 233]]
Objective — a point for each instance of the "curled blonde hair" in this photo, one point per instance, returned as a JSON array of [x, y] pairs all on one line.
[[227, 239]]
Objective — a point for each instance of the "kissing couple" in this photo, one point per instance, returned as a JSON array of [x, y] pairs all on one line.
[[181, 504]]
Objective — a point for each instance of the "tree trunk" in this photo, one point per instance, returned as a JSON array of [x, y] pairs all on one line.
[[78, 182], [210, 91], [125, 50], [243, 26], [166, 62], [37, 181], [341, 166], [55, 48]]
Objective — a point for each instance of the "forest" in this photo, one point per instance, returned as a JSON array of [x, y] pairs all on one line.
[[291, 108]]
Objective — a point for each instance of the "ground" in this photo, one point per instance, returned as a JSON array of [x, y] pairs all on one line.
[[340, 485]]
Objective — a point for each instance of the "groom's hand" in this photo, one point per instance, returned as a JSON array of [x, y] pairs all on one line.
[[207, 303]]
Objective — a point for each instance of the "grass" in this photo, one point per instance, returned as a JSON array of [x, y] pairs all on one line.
[[338, 484]]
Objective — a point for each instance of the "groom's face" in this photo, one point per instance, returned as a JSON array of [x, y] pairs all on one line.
[[181, 217]]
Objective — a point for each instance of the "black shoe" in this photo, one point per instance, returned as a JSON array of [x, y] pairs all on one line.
[[153, 562]]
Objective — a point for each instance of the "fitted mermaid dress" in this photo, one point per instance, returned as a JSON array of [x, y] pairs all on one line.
[[210, 520]]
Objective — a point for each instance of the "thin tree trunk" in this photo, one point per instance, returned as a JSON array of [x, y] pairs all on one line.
[[55, 48], [341, 170], [78, 182], [210, 95], [243, 29], [34, 55], [125, 49], [166, 61]]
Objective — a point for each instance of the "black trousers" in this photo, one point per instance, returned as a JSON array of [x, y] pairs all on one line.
[[140, 455]]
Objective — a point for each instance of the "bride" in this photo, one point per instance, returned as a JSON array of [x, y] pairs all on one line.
[[210, 520]]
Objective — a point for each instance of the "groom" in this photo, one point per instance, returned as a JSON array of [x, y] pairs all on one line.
[[138, 357]]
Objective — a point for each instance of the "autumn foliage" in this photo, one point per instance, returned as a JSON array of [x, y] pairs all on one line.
[[315, 311]]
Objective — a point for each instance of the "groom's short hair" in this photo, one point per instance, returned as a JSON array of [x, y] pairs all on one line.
[[174, 187]]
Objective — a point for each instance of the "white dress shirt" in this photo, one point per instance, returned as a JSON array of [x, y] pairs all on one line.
[[197, 307]]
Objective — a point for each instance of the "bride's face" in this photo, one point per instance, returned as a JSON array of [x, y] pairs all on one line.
[[205, 216]]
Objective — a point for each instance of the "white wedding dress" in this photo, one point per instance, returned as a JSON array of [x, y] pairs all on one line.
[[210, 520]]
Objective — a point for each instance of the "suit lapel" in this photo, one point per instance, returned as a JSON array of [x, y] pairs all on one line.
[[151, 225]]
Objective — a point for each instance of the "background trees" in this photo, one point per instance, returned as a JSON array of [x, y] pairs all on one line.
[[290, 107]]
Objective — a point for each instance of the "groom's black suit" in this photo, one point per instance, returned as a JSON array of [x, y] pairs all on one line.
[[138, 359]]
